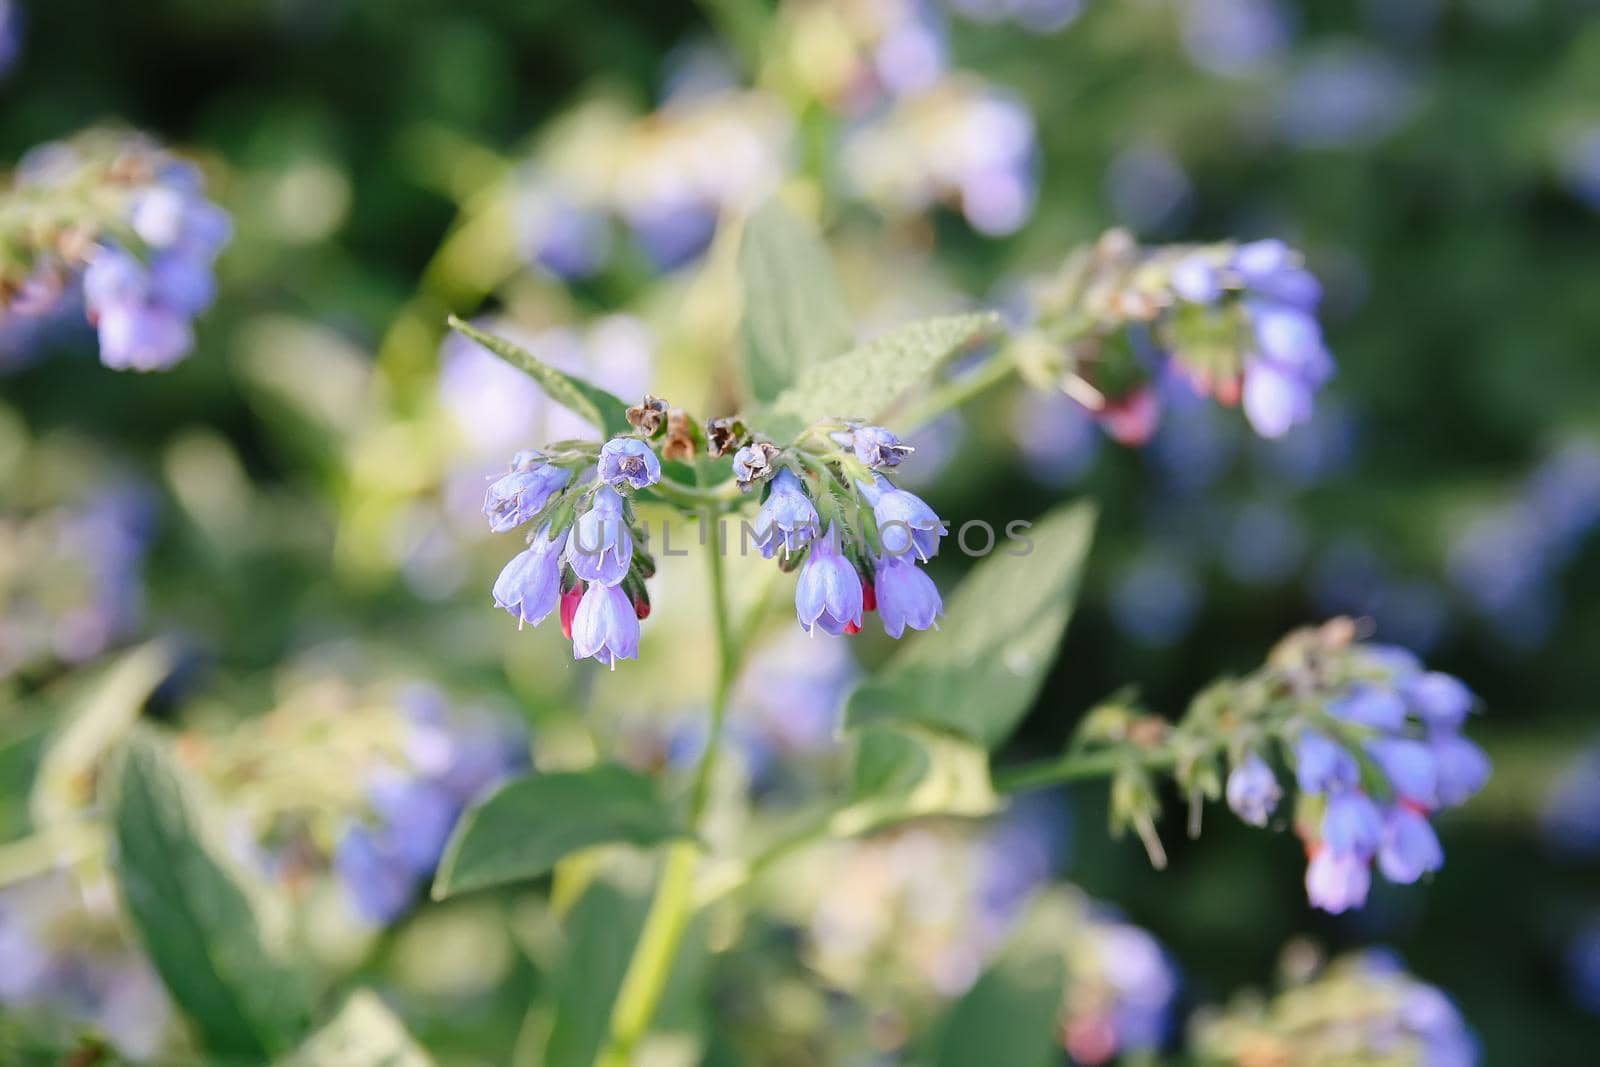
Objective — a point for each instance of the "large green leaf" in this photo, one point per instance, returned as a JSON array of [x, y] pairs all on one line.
[[206, 928], [1008, 1016], [600, 939], [527, 825], [866, 382], [365, 1033], [591, 403], [978, 674], [794, 307]]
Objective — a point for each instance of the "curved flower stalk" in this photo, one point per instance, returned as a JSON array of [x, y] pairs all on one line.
[[125, 224], [1371, 740], [1235, 322]]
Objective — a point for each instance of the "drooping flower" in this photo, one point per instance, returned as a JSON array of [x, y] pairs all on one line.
[[522, 492], [1337, 881], [142, 309], [1462, 768], [1352, 824], [753, 463], [1410, 766], [828, 593], [1253, 790], [905, 596], [600, 547], [1322, 765], [1369, 705], [628, 462], [788, 518], [906, 524], [605, 626], [1440, 700], [530, 585], [1409, 848], [875, 446]]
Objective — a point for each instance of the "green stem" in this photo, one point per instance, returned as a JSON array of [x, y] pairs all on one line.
[[646, 978], [1076, 766], [958, 391], [1073, 767], [717, 498]]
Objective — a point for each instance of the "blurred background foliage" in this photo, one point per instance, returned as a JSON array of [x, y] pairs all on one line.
[[293, 507]]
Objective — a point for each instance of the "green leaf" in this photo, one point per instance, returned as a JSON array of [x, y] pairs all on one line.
[[64, 785], [1009, 1016], [865, 383], [979, 673], [208, 931], [365, 1033], [902, 774], [527, 825], [589, 402], [601, 935], [794, 306]]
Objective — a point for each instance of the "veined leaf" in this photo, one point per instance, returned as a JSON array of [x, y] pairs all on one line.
[[794, 306], [523, 828], [589, 402], [206, 928], [365, 1033], [977, 675], [866, 382]]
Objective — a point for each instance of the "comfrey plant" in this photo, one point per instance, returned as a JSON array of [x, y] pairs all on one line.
[[1372, 739], [120, 223], [803, 472]]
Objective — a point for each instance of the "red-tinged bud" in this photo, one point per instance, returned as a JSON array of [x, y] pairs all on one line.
[[641, 605], [869, 597], [1132, 419], [1229, 390], [852, 627], [569, 608]]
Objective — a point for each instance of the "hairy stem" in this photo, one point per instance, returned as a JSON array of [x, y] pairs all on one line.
[[1072, 767], [952, 394], [646, 978], [1076, 766]]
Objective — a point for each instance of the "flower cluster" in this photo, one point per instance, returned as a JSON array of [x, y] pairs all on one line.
[[1361, 1009], [1376, 748], [1234, 322], [827, 512], [1372, 739], [959, 142], [856, 537], [65, 957], [132, 226], [362, 782], [666, 178], [71, 581], [581, 555], [384, 857]]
